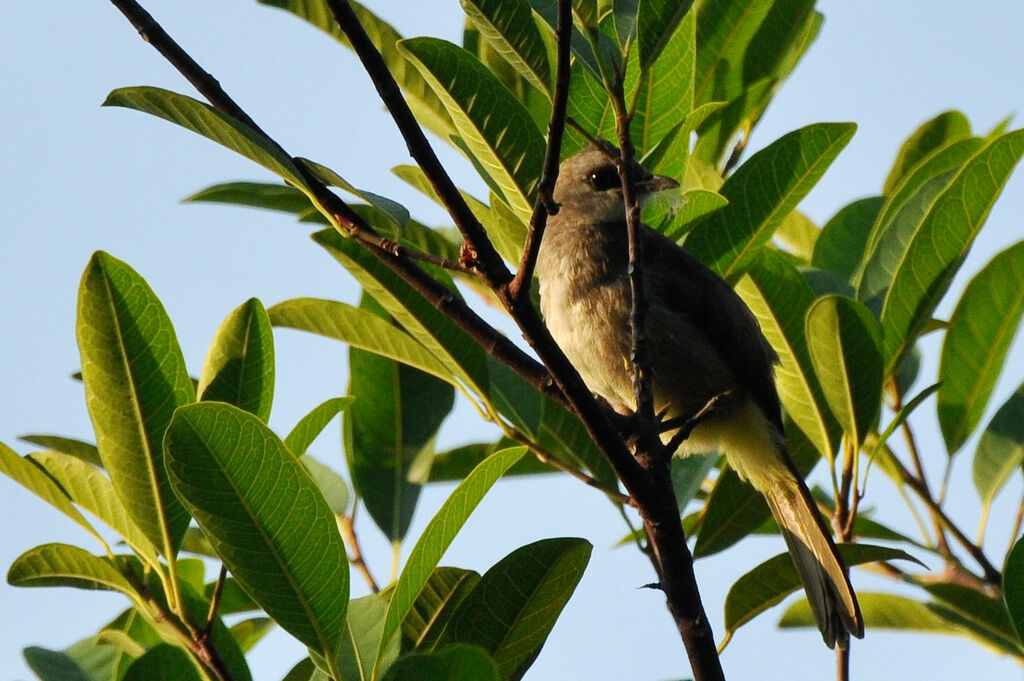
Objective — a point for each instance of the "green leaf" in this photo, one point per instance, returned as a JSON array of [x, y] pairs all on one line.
[[239, 367], [163, 662], [331, 485], [66, 565], [455, 464], [65, 445], [744, 52], [251, 631], [901, 215], [780, 299], [688, 474], [496, 128], [1001, 448], [269, 195], [773, 580], [204, 120], [358, 328], [947, 127], [1013, 587], [135, 377], [656, 23], [880, 611], [457, 663], [55, 665], [90, 489], [435, 331], [429, 110], [28, 475], [312, 424], [983, 610], [358, 652], [843, 240], [943, 239], [510, 612], [796, 236], [901, 416], [265, 516], [845, 344], [509, 27], [980, 331], [693, 205], [761, 193], [394, 211], [389, 432], [435, 606], [440, 532]]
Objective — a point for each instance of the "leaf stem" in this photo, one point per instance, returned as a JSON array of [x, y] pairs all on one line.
[[346, 525], [218, 589]]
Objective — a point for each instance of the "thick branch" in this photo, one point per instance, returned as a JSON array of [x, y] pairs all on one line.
[[439, 296], [490, 264]]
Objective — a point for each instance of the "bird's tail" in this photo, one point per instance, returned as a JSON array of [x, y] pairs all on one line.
[[821, 570]]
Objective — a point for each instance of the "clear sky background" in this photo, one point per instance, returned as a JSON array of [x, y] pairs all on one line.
[[77, 178]]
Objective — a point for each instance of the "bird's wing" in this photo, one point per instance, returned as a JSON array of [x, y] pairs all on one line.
[[687, 287]]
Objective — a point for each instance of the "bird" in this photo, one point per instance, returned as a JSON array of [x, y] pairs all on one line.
[[704, 342]]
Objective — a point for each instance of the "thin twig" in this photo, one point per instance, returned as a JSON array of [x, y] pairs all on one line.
[[546, 457], [992, 574], [199, 642], [1017, 524], [346, 525], [924, 489], [545, 204], [640, 360], [218, 589], [687, 426], [402, 251]]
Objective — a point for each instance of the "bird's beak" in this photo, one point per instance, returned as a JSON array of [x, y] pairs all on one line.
[[655, 183]]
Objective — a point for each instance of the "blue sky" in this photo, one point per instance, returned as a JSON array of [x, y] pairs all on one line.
[[78, 177]]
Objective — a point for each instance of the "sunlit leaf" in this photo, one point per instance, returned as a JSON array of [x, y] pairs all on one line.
[[239, 367], [1001, 448], [433, 609], [497, 130], [456, 663], [135, 377], [313, 423], [90, 489], [773, 580], [947, 127], [510, 612], [761, 193], [65, 445], [28, 475], [66, 565], [942, 240], [843, 240], [845, 344], [980, 331], [440, 532], [509, 28], [265, 516], [656, 24], [204, 120]]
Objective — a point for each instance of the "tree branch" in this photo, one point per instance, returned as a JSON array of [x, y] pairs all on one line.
[[489, 263], [545, 204], [436, 294], [646, 478]]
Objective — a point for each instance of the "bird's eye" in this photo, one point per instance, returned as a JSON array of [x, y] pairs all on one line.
[[605, 177]]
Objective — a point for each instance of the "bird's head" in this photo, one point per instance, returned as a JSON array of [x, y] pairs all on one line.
[[590, 181]]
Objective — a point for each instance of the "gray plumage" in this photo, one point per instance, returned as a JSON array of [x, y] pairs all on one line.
[[704, 341]]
